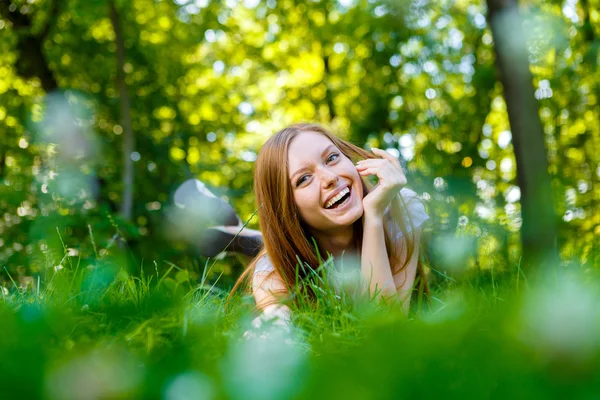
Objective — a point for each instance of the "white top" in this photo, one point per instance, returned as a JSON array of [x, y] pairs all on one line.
[[414, 207]]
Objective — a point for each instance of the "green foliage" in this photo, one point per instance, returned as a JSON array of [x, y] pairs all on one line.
[[93, 305], [100, 332], [210, 81]]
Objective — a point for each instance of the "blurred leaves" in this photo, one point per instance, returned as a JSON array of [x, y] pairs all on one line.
[[210, 81], [95, 306]]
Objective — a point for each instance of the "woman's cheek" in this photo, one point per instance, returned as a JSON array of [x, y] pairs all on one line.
[[304, 204]]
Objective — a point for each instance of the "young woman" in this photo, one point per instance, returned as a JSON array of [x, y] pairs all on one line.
[[311, 188]]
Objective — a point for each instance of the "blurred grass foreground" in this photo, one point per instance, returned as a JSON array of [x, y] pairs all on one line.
[[96, 332], [107, 106]]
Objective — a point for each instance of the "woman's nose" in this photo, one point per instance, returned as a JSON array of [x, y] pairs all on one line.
[[328, 178]]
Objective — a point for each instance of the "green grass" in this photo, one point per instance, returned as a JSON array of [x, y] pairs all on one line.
[[100, 332]]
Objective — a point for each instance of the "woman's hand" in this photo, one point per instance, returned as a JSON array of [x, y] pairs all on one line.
[[278, 319], [391, 180]]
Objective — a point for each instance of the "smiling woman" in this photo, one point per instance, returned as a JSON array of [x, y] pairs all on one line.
[[311, 189]]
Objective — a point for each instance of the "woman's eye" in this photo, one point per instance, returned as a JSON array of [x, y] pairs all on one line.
[[331, 157], [301, 180]]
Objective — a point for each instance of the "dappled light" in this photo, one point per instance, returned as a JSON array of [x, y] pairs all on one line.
[[129, 137]]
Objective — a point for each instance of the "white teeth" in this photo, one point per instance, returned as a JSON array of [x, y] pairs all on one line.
[[337, 197]]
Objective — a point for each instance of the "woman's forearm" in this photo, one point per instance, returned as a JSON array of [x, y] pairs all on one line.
[[375, 264], [405, 279]]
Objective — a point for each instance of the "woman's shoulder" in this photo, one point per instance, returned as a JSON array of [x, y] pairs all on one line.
[[415, 206], [264, 265], [413, 213]]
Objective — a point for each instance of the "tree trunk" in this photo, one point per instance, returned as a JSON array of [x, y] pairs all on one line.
[[2, 163], [128, 139], [588, 27], [32, 62], [328, 93], [538, 232]]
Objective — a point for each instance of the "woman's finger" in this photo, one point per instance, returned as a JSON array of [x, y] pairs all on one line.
[[383, 165], [386, 155], [383, 168], [379, 162], [386, 172], [359, 167], [381, 173], [369, 171], [369, 162], [382, 153]]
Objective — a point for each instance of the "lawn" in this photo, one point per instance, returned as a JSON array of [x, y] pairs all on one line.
[[96, 331]]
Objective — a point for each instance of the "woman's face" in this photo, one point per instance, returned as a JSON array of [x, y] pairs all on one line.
[[320, 174]]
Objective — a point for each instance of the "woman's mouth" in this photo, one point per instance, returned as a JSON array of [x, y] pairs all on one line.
[[340, 201]]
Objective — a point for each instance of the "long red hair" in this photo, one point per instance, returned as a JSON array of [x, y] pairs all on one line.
[[285, 237]]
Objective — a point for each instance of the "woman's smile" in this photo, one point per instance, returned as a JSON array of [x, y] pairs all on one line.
[[340, 201]]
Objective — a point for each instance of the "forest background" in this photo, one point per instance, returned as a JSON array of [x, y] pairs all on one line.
[[107, 106]]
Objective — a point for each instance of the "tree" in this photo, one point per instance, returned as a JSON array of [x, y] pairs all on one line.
[[538, 232], [128, 138], [31, 40], [208, 83]]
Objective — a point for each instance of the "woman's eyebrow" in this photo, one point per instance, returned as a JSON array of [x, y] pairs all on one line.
[[298, 171], [302, 168], [327, 150]]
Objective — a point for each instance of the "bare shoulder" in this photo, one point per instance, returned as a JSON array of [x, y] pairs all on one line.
[[268, 287], [267, 280]]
